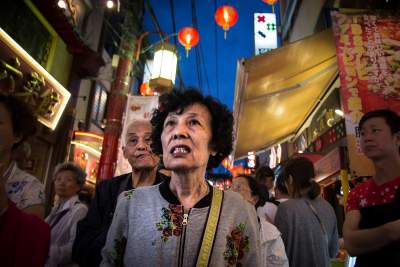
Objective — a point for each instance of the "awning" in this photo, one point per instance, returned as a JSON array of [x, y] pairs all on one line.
[[277, 91]]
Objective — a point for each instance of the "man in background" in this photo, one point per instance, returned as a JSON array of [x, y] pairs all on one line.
[[92, 231]]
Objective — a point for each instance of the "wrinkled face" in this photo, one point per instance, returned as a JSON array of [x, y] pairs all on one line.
[[65, 184], [137, 146], [377, 141], [241, 186], [186, 138], [7, 138]]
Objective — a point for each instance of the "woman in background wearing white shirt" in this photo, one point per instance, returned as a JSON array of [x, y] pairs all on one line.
[[272, 248], [68, 181]]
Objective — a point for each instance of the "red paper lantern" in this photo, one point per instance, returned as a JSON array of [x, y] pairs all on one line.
[[226, 17], [270, 2], [188, 37], [146, 90]]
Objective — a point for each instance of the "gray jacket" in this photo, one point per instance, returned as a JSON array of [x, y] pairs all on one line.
[[145, 231], [305, 242]]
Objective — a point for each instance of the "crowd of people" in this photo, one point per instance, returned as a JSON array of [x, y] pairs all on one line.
[[148, 218]]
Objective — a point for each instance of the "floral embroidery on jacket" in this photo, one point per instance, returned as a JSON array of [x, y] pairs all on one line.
[[119, 250], [17, 187], [236, 245], [128, 194], [171, 222]]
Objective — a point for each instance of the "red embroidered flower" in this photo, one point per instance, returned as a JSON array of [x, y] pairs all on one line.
[[171, 222], [236, 245]]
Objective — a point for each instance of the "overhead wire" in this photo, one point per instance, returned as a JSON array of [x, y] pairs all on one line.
[[215, 51], [198, 70], [178, 70], [200, 55]]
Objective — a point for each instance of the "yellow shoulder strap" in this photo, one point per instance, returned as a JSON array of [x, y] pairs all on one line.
[[211, 229]]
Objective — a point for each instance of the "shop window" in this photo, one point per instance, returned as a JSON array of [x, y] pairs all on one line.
[[99, 105]]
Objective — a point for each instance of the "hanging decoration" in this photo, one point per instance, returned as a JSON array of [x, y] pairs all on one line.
[[146, 90], [272, 3], [188, 37], [226, 16]]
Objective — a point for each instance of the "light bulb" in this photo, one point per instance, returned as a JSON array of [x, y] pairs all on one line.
[[61, 4], [110, 4]]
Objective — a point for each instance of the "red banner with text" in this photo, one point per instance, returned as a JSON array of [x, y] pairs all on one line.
[[368, 53]]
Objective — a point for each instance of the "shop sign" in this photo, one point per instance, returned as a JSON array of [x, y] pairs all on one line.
[[22, 76], [327, 165], [265, 32], [367, 48], [330, 137]]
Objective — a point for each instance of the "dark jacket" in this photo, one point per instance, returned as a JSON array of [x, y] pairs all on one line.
[[91, 233]]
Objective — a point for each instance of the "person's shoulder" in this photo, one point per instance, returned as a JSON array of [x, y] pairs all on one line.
[[147, 191], [232, 196], [289, 204], [23, 176], [144, 190], [114, 180], [233, 199], [361, 187]]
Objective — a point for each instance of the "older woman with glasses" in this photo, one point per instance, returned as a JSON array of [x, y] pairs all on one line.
[[184, 221]]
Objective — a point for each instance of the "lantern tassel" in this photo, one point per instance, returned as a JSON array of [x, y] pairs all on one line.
[[273, 9], [225, 34], [187, 52]]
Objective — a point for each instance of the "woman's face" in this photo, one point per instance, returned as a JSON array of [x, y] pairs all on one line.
[[241, 186], [65, 184], [7, 138], [186, 138]]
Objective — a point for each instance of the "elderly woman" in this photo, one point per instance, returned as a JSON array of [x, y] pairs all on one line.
[[68, 181], [184, 221], [272, 248], [307, 222]]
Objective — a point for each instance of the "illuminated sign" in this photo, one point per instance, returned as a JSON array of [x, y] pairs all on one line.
[[265, 32], [35, 85]]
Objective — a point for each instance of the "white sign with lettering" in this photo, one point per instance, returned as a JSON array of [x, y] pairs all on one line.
[[265, 32]]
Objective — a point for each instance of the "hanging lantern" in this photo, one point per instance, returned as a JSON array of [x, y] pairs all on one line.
[[188, 37], [146, 90], [164, 68], [270, 2], [226, 17]]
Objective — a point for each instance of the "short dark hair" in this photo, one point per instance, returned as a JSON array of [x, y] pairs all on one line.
[[262, 173], [221, 121], [391, 118], [80, 175], [23, 121], [302, 172], [256, 189]]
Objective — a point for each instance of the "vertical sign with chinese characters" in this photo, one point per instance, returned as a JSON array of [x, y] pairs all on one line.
[[368, 52], [265, 32]]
